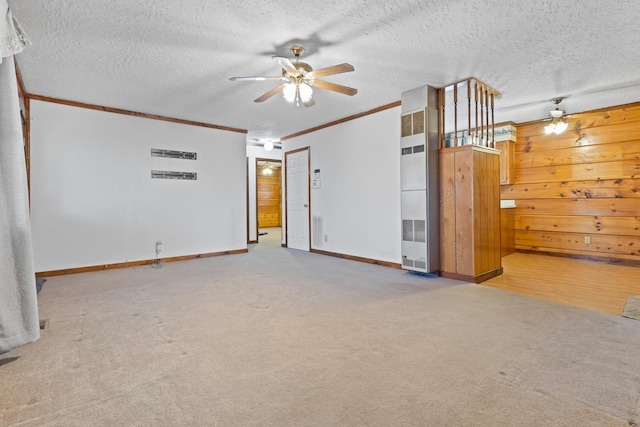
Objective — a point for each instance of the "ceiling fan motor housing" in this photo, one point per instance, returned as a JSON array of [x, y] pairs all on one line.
[[303, 67]]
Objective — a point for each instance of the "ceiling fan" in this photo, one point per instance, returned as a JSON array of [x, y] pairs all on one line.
[[299, 78]]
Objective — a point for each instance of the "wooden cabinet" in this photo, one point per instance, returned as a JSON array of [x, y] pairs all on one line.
[[507, 231], [470, 213], [507, 161]]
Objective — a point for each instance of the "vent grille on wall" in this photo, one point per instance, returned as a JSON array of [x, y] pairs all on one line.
[[174, 175], [407, 230], [412, 124], [414, 230], [419, 230], [317, 231], [413, 150], [159, 152], [406, 262]]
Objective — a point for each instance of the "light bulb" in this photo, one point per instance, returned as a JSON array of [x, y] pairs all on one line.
[[549, 128], [289, 92], [561, 127], [305, 92], [268, 145]]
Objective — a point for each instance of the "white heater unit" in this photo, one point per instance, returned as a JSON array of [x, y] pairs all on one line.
[[420, 205]]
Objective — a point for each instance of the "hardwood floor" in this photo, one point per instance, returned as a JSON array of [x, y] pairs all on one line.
[[593, 285]]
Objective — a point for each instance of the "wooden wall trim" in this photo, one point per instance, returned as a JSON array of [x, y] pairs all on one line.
[[615, 259], [357, 258], [21, 90], [507, 123], [479, 278], [470, 147], [136, 263], [27, 143], [133, 113], [345, 119]]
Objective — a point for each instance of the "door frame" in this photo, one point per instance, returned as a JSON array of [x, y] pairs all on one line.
[[286, 194]]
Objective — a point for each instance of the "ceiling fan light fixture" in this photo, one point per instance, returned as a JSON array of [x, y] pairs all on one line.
[[558, 123], [300, 79]]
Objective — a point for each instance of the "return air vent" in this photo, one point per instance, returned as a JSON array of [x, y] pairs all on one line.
[[413, 150], [419, 230], [172, 154], [174, 175], [420, 264], [317, 231], [407, 230], [414, 230], [406, 262]]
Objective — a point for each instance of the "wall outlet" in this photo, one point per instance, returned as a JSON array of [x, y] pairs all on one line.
[[326, 238], [587, 239]]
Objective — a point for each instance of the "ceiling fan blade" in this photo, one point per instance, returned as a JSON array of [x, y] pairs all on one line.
[[270, 93], [255, 78], [287, 65], [335, 87], [309, 103], [336, 69]]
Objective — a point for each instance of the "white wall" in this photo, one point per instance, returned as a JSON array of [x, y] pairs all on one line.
[[93, 201], [253, 153], [359, 198]]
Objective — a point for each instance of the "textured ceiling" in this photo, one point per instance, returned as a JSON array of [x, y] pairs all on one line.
[[175, 58]]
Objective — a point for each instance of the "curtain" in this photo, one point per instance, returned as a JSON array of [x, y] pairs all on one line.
[[19, 322]]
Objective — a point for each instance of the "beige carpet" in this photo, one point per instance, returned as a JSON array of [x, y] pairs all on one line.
[[278, 337], [632, 308]]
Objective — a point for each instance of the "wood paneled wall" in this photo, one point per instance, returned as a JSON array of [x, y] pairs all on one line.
[[470, 213], [269, 194], [577, 193]]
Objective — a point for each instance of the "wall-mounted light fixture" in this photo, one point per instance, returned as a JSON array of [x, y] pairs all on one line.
[[558, 120]]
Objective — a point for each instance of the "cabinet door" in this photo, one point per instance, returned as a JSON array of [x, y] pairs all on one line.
[[507, 158]]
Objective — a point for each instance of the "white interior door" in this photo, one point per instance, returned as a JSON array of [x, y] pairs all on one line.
[[297, 166]]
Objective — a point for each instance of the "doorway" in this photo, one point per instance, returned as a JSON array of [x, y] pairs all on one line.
[[268, 196]]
